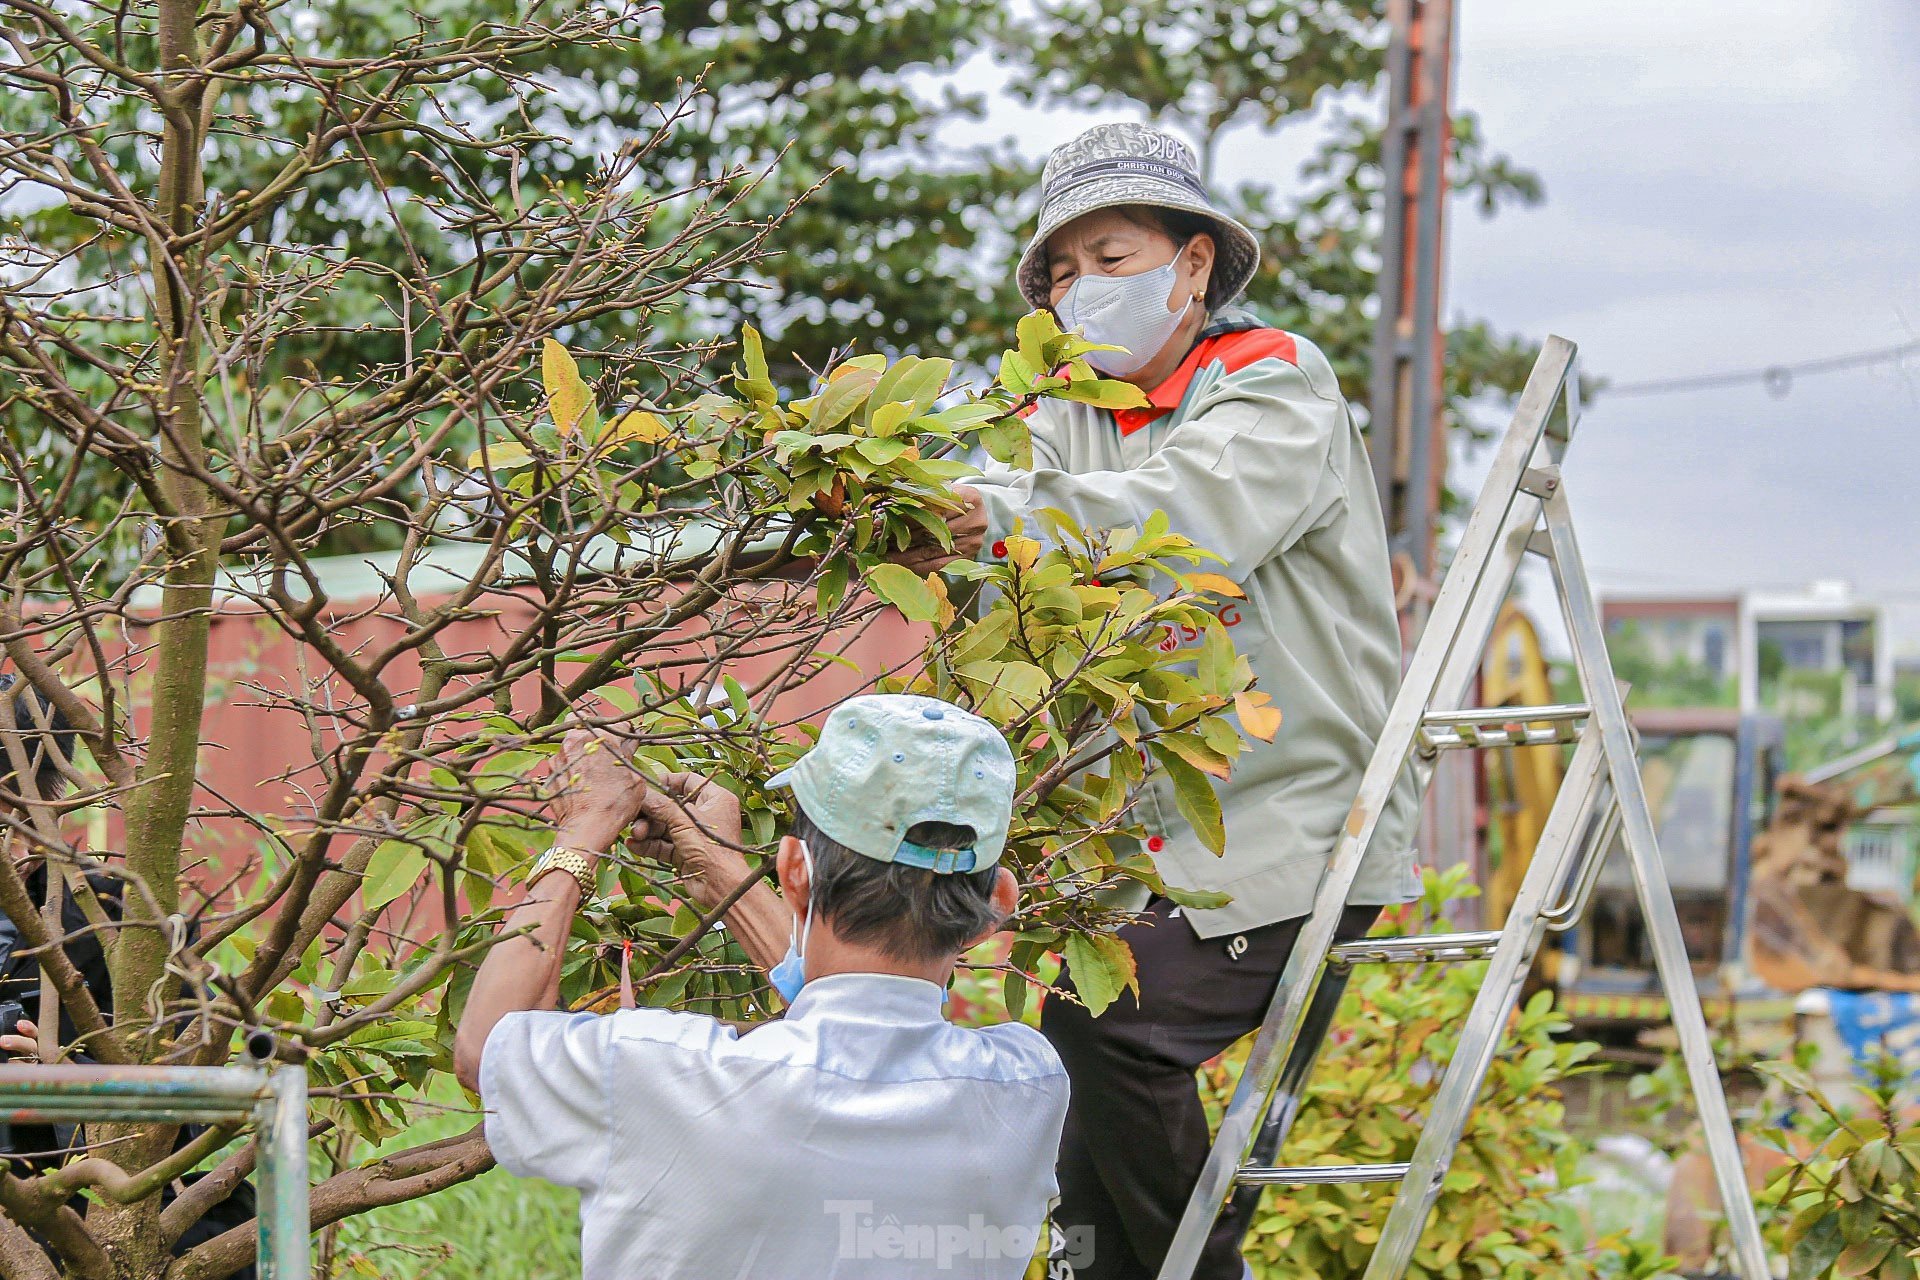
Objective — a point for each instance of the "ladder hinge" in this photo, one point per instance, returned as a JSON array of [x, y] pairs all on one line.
[[1541, 482]]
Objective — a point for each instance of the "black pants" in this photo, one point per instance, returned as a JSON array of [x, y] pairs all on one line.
[[1136, 1134]]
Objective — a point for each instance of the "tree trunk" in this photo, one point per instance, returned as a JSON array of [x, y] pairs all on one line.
[[156, 811]]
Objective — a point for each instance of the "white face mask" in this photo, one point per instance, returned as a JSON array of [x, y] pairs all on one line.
[[1129, 312]]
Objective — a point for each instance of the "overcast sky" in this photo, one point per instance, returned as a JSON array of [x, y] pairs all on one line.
[[1730, 184]]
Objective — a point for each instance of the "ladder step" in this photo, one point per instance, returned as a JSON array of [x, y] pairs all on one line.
[[1501, 727], [1416, 949], [1304, 1175]]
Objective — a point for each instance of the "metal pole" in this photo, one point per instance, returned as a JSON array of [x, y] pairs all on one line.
[[1408, 432], [284, 1213], [1656, 895], [277, 1105]]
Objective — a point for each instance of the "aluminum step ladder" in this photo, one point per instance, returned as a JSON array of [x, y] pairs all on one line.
[[1522, 509]]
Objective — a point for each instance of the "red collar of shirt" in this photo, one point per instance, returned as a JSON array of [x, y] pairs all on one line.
[[1234, 351]]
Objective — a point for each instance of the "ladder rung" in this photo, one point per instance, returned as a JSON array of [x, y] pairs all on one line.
[[1509, 715], [1300, 1175], [1501, 727], [1416, 949]]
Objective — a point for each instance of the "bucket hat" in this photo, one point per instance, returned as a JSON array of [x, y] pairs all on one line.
[[1122, 164]]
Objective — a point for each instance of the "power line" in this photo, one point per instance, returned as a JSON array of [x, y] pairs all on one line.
[[1776, 378]]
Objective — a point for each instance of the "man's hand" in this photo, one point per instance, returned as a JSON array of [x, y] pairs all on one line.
[[696, 822], [25, 1043], [696, 826], [597, 791], [968, 526]]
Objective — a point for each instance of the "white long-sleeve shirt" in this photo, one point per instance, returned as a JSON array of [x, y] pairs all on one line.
[[861, 1137]]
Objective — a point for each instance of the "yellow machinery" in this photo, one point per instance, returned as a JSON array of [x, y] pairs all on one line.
[[1521, 781]]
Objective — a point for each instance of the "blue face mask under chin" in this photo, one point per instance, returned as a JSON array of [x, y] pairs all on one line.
[[791, 973]]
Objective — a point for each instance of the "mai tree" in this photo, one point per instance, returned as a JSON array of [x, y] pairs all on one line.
[[604, 535]]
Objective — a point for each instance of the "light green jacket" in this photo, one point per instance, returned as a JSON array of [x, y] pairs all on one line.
[[1254, 455]]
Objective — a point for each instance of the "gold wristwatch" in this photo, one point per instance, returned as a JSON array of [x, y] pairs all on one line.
[[571, 861]]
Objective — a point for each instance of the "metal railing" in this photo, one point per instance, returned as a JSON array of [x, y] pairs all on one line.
[[275, 1100]]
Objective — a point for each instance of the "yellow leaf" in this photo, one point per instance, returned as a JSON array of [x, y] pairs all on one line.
[[887, 419], [868, 364], [506, 456], [1258, 716], [639, 425], [1215, 584], [1022, 551], [567, 398]]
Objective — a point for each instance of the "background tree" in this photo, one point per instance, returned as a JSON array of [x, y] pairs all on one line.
[[910, 239]]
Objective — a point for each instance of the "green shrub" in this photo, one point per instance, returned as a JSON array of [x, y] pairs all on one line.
[[1368, 1100], [1847, 1202], [1499, 1216]]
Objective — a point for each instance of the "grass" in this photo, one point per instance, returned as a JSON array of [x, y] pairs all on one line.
[[492, 1226]]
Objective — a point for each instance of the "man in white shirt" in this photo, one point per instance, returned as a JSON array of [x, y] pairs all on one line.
[[861, 1137]]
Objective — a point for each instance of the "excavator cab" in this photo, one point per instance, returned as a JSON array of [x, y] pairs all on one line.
[[1709, 774]]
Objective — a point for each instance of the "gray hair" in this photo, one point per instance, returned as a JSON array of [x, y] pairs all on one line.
[[911, 913]]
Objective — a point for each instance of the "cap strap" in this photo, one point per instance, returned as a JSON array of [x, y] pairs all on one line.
[[1133, 167], [938, 861]]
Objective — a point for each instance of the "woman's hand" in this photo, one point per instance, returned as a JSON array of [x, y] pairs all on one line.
[[24, 1042], [968, 526]]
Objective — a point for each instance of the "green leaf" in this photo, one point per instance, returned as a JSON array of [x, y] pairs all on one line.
[[842, 397], [1017, 373], [983, 639], [1194, 750], [369, 984], [757, 386], [1195, 797], [1102, 967], [1814, 1252], [905, 590], [388, 1029], [396, 866], [1861, 1259], [1009, 442], [888, 419], [1014, 990], [832, 589], [1033, 332], [1215, 669], [1104, 393], [880, 452], [1198, 899], [966, 417], [914, 380]]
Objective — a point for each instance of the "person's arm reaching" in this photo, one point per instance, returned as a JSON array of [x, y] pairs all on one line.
[[1245, 477], [701, 820], [600, 797]]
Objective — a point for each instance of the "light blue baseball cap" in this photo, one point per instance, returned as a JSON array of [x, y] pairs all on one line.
[[886, 761]]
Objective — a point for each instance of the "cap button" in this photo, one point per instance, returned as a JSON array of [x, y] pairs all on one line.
[[933, 713]]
